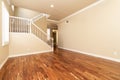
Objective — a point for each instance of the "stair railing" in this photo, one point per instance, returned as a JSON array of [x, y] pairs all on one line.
[[24, 25], [18, 24], [39, 17], [38, 32]]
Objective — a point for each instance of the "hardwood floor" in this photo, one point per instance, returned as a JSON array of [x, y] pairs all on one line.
[[63, 65]]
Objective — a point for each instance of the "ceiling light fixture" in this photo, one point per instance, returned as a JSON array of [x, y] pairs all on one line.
[[51, 5]]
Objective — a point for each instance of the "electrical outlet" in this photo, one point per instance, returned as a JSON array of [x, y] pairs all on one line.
[[115, 53]]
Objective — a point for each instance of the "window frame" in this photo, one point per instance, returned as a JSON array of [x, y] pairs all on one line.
[[5, 25]]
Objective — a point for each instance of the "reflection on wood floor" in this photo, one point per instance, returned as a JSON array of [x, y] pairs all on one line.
[[63, 65]]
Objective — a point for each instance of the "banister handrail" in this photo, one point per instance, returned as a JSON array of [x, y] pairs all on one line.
[[39, 16], [31, 23], [36, 17], [19, 18], [39, 28]]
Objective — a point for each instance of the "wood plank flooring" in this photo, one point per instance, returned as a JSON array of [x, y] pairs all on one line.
[[63, 65]]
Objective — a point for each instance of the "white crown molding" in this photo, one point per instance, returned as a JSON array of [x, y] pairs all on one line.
[[3, 63], [90, 6], [92, 54], [35, 18], [53, 21]]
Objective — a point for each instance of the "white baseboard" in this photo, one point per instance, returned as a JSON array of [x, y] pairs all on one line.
[[3, 63], [91, 54], [25, 54], [22, 54]]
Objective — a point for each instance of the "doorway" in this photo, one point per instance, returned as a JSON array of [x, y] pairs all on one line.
[[55, 38]]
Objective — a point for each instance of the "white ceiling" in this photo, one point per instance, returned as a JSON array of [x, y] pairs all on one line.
[[62, 8]]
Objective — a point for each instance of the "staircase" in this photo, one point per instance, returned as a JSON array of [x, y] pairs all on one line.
[[24, 25]]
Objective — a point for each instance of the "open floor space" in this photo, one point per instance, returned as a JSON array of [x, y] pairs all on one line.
[[60, 65]]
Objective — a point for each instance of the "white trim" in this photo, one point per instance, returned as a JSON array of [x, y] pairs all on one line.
[[92, 54], [30, 27], [92, 5], [3, 63], [40, 16], [37, 17], [46, 15], [19, 18], [54, 21], [18, 33], [25, 54]]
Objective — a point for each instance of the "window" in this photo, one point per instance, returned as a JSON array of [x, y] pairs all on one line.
[[5, 25]]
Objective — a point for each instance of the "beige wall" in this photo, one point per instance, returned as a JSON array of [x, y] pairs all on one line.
[[23, 43], [96, 30], [42, 23], [25, 13], [4, 50]]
